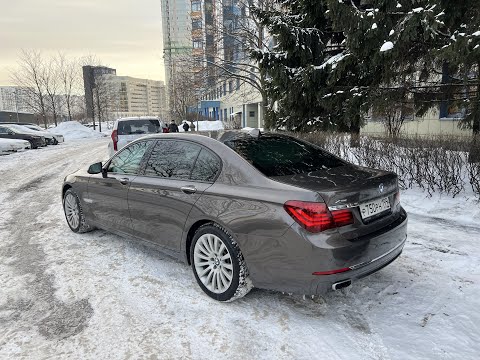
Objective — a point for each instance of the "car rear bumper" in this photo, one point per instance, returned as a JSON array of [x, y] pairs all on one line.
[[289, 265]]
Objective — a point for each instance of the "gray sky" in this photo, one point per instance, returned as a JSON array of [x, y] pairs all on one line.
[[123, 34]]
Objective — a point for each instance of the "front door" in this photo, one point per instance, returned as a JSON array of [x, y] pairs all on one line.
[[161, 198], [109, 194]]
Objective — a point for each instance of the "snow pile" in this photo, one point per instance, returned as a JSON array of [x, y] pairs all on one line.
[[73, 130], [8, 145], [387, 46], [208, 125]]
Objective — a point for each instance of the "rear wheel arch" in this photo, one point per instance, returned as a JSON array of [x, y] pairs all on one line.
[[190, 235]]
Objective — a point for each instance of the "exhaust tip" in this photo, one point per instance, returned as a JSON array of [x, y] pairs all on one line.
[[341, 284]]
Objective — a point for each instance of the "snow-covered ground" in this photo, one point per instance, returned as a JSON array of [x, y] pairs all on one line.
[[73, 130], [99, 296], [205, 125]]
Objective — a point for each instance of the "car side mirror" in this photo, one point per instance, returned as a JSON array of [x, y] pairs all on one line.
[[95, 168]]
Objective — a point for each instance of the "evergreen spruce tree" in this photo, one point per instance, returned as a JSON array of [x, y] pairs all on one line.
[[334, 59]]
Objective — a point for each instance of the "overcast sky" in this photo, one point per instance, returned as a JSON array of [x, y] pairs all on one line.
[[123, 34]]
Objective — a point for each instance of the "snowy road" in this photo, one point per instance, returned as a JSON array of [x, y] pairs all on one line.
[[99, 296]]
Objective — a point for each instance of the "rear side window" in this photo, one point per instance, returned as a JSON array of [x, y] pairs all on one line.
[[143, 126], [128, 160], [277, 155], [207, 167], [172, 159], [3, 130]]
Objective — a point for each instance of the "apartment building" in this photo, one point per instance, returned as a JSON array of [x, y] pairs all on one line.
[[15, 99], [177, 41], [90, 76], [131, 96], [229, 98]]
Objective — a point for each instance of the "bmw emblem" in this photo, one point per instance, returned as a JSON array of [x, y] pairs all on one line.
[[381, 188]]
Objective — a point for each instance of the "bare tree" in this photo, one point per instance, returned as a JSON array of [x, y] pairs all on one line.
[[241, 38], [51, 83], [69, 76], [186, 88], [29, 76]]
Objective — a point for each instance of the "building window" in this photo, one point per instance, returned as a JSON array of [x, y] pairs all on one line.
[[197, 44], [225, 89], [196, 24], [225, 114], [196, 6], [230, 87], [238, 84], [251, 113]]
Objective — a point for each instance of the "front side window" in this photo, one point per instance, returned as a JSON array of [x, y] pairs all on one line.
[[128, 160], [206, 167], [172, 159], [277, 155]]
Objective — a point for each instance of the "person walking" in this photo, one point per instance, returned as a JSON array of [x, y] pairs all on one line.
[[172, 127], [186, 126], [192, 126]]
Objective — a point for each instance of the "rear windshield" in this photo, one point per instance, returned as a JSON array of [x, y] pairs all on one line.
[[144, 126], [277, 155]]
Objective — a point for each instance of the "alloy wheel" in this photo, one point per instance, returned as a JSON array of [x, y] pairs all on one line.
[[72, 210], [213, 263]]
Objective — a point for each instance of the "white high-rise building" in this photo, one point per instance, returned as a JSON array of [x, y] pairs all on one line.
[[15, 99], [177, 40], [131, 96]]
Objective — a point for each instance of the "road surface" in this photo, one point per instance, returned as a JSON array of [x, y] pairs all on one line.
[[99, 296]]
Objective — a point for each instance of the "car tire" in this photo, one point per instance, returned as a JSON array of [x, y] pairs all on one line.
[[55, 141], [218, 264], [32, 146], [74, 213]]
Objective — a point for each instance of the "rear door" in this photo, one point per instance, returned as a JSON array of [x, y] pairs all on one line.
[[175, 176], [108, 195]]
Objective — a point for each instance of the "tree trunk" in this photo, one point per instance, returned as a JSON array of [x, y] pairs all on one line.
[[355, 132], [474, 154]]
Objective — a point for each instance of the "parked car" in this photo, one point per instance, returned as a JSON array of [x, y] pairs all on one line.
[[52, 139], [13, 145], [9, 131], [126, 130], [57, 138], [252, 209]]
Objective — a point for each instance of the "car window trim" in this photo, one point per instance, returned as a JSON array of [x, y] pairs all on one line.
[[202, 147]]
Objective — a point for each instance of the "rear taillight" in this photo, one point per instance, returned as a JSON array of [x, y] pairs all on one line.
[[316, 217], [115, 139]]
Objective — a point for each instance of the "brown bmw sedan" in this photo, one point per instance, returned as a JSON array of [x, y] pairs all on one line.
[[249, 209]]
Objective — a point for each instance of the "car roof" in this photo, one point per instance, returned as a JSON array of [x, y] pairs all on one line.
[[133, 118]]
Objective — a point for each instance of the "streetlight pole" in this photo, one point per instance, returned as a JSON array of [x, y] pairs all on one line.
[[16, 104]]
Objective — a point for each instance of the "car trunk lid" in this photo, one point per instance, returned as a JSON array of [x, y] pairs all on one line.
[[350, 186]]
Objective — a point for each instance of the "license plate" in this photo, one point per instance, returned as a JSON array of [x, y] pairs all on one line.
[[375, 207]]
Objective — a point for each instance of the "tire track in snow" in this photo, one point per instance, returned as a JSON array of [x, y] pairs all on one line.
[[36, 305]]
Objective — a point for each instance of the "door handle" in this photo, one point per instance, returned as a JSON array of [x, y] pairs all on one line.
[[189, 189], [124, 181]]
